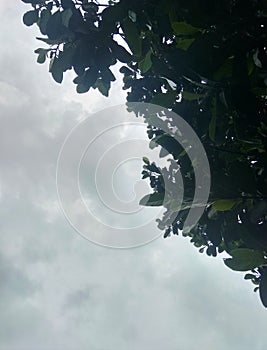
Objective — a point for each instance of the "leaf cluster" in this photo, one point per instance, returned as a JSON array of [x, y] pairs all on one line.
[[208, 64]]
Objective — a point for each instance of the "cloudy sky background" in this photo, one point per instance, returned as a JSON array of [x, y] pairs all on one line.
[[57, 290]]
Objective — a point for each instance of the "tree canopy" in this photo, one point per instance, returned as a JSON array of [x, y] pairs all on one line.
[[207, 63]]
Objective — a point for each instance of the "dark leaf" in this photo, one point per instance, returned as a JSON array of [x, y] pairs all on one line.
[[42, 23], [57, 70], [50, 41], [190, 96], [145, 64], [146, 160], [66, 16], [90, 7], [152, 200], [30, 17], [225, 204], [42, 56], [115, 13], [34, 2], [82, 88], [164, 99], [121, 53], [167, 233], [67, 4], [132, 36], [258, 212], [49, 6], [184, 28], [107, 75], [102, 86], [55, 28], [214, 231], [263, 288], [244, 259]]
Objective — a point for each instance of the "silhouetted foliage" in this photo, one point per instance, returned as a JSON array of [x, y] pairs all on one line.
[[206, 61]]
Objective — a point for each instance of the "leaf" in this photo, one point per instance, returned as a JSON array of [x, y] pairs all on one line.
[[66, 57], [146, 160], [104, 57], [259, 91], [184, 28], [66, 16], [39, 50], [67, 4], [49, 5], [184, 43], [168, 142], [90, 76], [190, 96], [43, 20], [132, 15], [164, 99], [167, 232], [50, 41], [211, 251], [121, 53], [263, 288], [102, 86], [212, 124], [258, 212], [213, 231], [115, 13], [256, 59], [77, 23], [152, 167], [107, 76], [61, 63], [56, 70], [225, 71], [78, 79], [55, 28], [152, 200], [250, 64], [225, 204], [146, 63], [41, 56], [34, 2], [30, 17], [82, 88], [132, 37], [90, 7], [87, 80], [244, 259]]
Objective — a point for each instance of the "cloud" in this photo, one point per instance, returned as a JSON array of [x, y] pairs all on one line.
[[77, 298]]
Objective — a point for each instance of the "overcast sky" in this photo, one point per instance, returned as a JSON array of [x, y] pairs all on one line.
[[58, 290]]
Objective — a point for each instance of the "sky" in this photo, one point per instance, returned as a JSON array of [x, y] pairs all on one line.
[[60, 291]]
